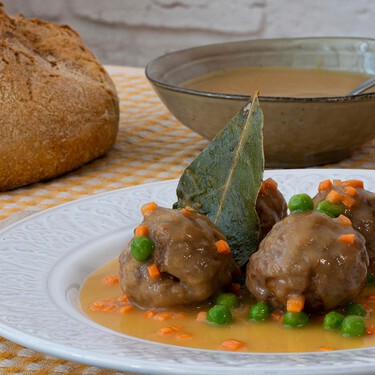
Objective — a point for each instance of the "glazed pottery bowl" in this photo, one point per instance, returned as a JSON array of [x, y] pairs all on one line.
[[298, 132]]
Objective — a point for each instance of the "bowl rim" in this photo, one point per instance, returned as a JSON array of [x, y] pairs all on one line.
[[237, 97]]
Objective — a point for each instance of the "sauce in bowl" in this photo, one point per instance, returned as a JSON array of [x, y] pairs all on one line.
[[278, 81]]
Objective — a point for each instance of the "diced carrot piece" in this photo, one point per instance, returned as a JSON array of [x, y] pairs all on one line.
[[104, 304], [184, 336], [337, 183], [222, 247], [162, 316], [176, 328], [125, 309], [149, 314], [153, 271], [354, 183], [334, 197], [123, 299], [96, 306], [295, 304], [370, 330], [348, 201], [232, 345], [201, 316], [326, 348], [187, 212], [371, 298], [164, 331], [350, 190], [109, 308], [325, 185], [344, 220], [141, 230], [347, 238], [148, 208], [111, 280]]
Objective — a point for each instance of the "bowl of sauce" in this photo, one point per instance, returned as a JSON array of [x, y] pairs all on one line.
[[303, 84]]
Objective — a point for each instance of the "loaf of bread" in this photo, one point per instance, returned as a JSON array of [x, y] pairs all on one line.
[[58, 106]]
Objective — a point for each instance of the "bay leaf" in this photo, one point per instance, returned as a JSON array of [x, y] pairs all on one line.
[[224, 180]]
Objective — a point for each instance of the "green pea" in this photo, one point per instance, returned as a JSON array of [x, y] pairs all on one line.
[[227, 299], [333, 320], [370, 278], [300, 203], [355, 308], [332, 210], [219, 314], [259, 311], [141, 248], [295, 319], [353, 326]]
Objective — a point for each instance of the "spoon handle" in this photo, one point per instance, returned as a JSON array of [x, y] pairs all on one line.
[[363, 87]]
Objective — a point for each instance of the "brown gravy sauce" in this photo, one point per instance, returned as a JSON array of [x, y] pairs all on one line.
[[278, 81], [181, 327]]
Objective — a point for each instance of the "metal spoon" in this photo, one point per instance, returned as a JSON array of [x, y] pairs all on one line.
[[363, 86]]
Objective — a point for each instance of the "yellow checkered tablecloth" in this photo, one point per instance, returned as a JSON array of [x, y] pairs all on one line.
[[151, 146]]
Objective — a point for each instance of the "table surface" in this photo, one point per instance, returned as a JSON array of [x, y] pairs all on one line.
[[151, 146]]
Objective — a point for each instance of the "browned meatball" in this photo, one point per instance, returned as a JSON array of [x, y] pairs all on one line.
[[271, 207], [191, 267], [303, 255], [360, 209]]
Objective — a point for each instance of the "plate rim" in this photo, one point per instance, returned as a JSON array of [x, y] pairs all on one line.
[[108, 361]]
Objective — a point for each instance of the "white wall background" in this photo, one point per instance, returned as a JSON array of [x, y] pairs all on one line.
[[132, 32]]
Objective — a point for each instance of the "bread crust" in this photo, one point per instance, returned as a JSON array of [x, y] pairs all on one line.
[[58, 107]]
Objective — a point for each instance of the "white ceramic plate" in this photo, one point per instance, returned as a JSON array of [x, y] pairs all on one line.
[[45, 258]]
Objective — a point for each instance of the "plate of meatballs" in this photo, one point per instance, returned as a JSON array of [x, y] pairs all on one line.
[[316, 245]]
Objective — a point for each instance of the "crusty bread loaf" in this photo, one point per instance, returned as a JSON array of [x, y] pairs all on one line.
[[58, 107]]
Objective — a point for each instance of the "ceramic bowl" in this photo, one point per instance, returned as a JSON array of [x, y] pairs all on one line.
[[298, 132]]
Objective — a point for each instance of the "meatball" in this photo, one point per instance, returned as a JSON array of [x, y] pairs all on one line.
[[304, 255], [271, 207], [191, 266], [359, 207]]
